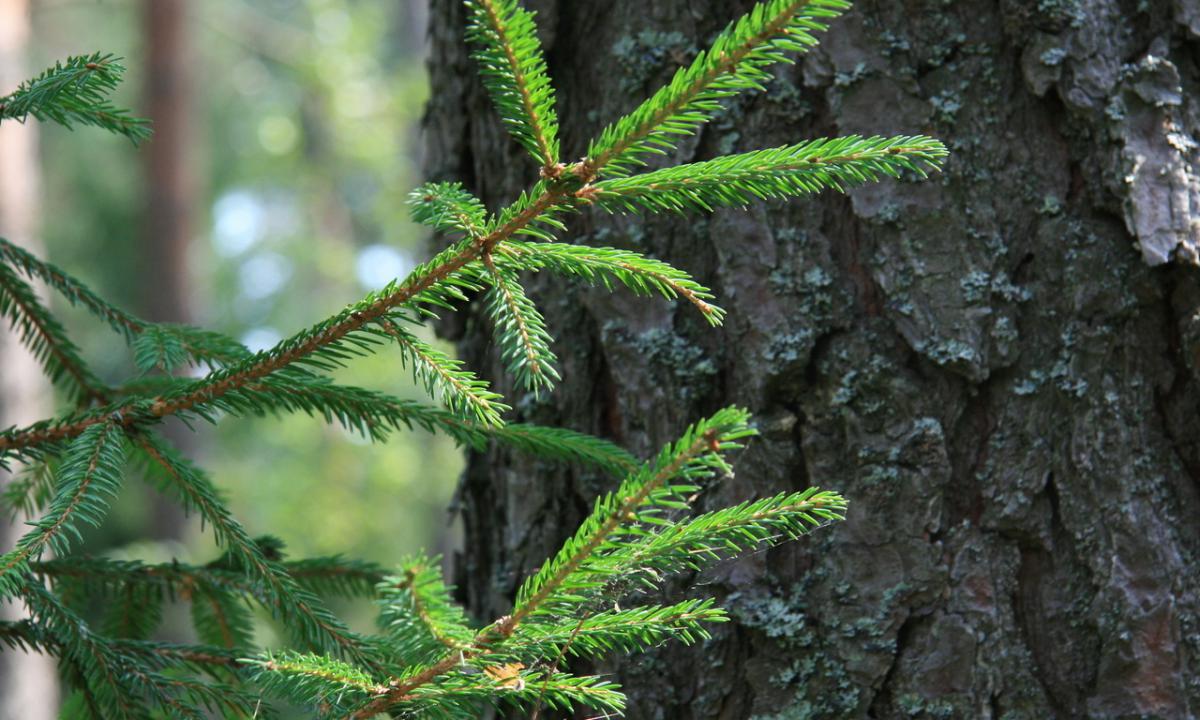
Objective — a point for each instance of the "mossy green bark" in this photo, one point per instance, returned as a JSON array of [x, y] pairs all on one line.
[[996, 366]]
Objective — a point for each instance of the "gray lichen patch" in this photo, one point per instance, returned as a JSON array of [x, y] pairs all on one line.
[[1159, 163], [644, 56]]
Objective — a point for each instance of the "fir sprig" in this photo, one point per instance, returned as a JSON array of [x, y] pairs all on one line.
[[514, 71], [302, 612], [460, 390], [75, 92], [737, 61], [521, 331], [109, 686], [313, 680], [428, 661], [448, 207], [29, 490], [41, 332], [735, 180], [156, 345], [102, 577], [74, 291], [618, 630], [663, 483], [591, 566], [609, 266], [87, 480], [418, 614]]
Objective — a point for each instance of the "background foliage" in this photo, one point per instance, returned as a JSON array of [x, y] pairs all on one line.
[[308, 129]]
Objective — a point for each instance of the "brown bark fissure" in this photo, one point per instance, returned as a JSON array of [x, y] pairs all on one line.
[[990, 365]]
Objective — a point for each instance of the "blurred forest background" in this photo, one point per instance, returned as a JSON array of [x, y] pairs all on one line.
[[287, 135]]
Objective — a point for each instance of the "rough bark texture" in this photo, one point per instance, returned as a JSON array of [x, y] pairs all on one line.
[[997, 367]]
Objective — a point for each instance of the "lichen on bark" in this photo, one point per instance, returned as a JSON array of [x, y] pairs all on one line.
[[997, 367]]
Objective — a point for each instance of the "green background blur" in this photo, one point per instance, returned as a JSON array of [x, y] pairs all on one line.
[[307, 132]]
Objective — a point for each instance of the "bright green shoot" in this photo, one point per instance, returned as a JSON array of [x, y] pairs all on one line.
[[428, 659]]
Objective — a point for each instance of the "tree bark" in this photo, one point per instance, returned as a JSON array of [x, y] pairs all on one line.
[[996, 366], [171, 197], [28, 682], [170, 180]]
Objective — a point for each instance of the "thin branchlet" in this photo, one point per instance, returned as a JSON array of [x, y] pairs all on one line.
[[496, 633], [428, 660]]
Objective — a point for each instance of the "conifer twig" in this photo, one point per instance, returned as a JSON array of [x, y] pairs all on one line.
[[75, 91], [512, 66], [709, 437], [46, 338], [735, 62], [428, 661], [313, 622], [87, 479], [523, 338]]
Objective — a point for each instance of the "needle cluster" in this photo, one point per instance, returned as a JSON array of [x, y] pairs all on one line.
[[428, 658]]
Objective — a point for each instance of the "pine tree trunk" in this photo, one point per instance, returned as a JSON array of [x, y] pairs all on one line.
[[28, 682], [998, 367], [171, 198], [171, 190]]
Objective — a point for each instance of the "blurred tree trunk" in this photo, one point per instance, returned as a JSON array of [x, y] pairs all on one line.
[[28, 683], [997, 366], [170, 192]]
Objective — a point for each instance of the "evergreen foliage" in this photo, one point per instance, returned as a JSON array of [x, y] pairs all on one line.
[[514, 71], [428, 658], [76, 92]]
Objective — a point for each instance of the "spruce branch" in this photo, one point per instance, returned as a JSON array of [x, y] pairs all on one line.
[[29, 491], [87, 479], [695, 542], [536, 213], [24, 635], [46, 338], [158, 350], [167, 346], [134, 613], [521, 331], [200, 659], [448, 207], [73, 92], [429, 662], [460, 390], [303, 613], [337, 576], [370, 413], [322, 346], [735, 180], [565, 445], [375, 415], [421, 619], [460, 695], [608, 266], [109, 684], [313, 680], [220, 619], [100, 577], [160, 345], [661, 483], [737, 61], [563, 580], [75, 292], [617, 630], [514, 72]]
